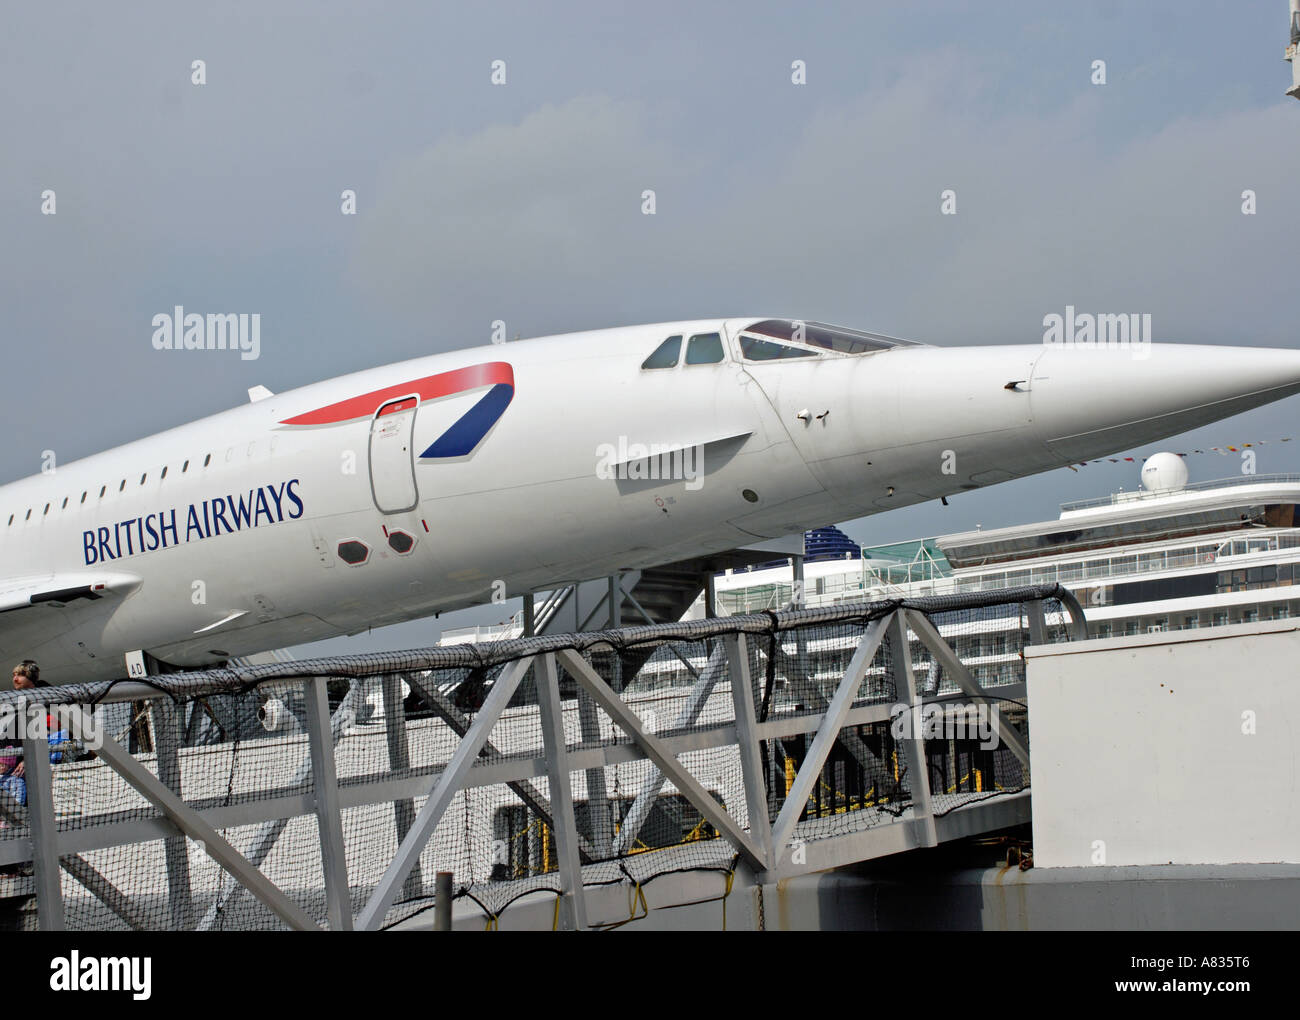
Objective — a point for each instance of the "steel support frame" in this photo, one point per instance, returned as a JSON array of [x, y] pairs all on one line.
[[905, 689], [444, 787], [690, 712], [654, 749], [166, 728], [192, 824], [329, 813], [75, 865], [602, 825], [573, 903], [44, 830], [270, 832], [522, 789], [759, 852], [515, 773], [399, 760], [812, 690], [671, 645], [955, 668], [796, 800], [751, 763], [103, 890]]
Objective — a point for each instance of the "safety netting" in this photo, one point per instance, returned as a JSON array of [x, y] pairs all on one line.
[[234, 745]]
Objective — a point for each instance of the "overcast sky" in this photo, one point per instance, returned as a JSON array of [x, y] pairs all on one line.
[[522, 201]]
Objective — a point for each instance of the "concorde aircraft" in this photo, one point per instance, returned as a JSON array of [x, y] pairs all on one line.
[[427, 485]]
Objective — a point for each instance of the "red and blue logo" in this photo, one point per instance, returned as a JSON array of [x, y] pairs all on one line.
[[466, 432]]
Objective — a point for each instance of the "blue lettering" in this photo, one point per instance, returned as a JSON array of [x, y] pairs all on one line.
[[277, 496], [241, 510], [156, 530], [219, 516], [164, 528], [262, 508]]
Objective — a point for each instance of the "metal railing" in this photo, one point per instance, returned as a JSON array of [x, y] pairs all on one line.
[[519, 767], [1141, 494]]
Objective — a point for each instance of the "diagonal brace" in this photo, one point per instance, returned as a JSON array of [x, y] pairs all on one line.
[[443, 788], [459, 724], [654, 749], [191, 824], [689, 714], [947, 658], [827, 733]]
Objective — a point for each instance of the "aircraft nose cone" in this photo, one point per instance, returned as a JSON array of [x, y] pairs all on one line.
[[1090, 401]]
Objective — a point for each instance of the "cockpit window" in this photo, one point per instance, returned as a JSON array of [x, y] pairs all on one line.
[[666, 354], [755, 349], [704, 349], [831, 338]]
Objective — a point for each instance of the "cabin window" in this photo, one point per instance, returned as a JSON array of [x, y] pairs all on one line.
[[665, 355], [83, 497], [29, 514], [102, 489], [46, 510], [163, 475], [207, 460], [704, 349], [64, 506], [143, 477], [765, 350], [122, 487], [11, 520], [185, 467]]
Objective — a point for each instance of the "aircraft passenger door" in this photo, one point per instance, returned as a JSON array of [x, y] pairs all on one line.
[[392, 456]]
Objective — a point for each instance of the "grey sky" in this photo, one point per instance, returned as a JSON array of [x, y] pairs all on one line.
[[521, 202]]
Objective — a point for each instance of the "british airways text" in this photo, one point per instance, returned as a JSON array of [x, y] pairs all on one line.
[[269, 504]]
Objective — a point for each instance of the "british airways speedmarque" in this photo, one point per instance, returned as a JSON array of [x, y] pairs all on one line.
[[420, 487]]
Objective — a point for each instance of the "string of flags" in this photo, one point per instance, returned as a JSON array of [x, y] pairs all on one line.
[[1222, 451]]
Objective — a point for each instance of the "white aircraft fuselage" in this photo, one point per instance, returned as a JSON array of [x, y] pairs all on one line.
[[427, 485]]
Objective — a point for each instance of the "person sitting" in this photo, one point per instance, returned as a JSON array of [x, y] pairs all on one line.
[[13, 770]]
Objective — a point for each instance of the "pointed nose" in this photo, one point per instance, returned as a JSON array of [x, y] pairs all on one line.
[[1091, 401]]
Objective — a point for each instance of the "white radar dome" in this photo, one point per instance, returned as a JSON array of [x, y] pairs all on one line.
[[1164, 471]]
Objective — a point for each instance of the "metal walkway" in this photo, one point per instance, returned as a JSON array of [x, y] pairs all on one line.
[[563, 766]]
